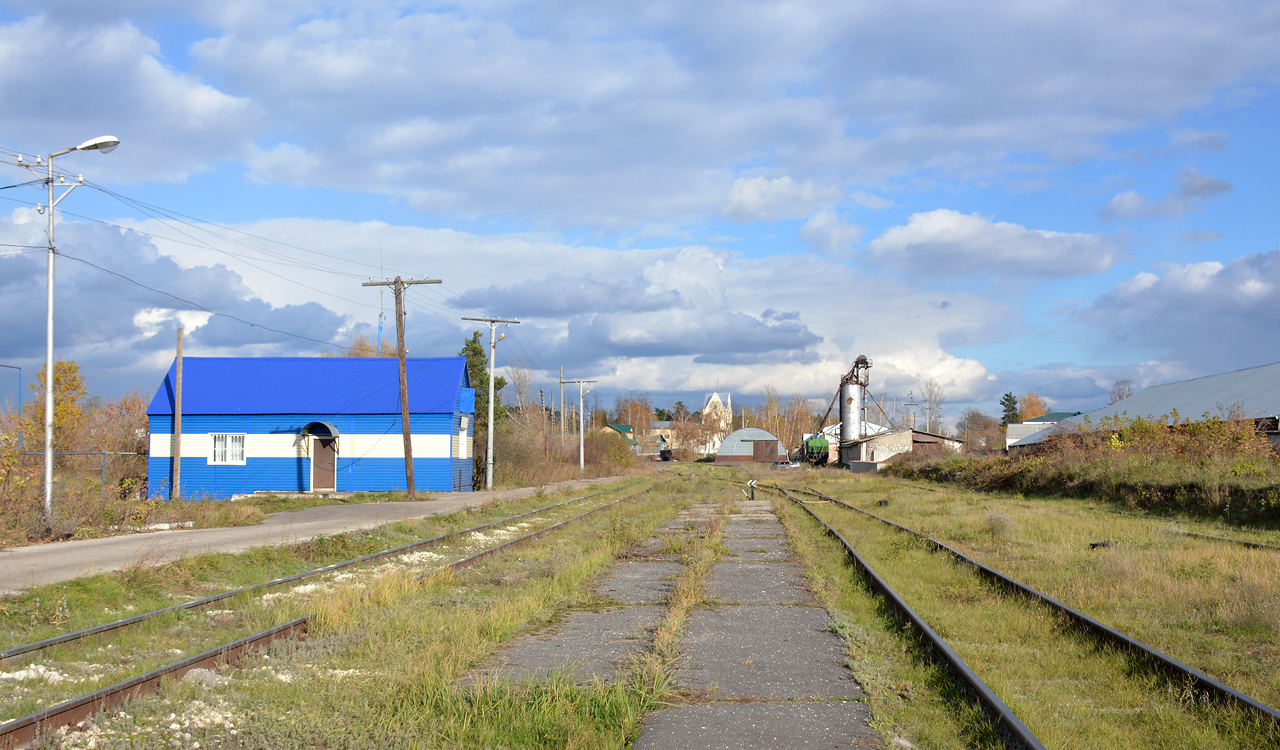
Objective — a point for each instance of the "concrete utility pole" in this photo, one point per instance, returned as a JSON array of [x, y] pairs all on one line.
[[582, 463], [106, 144], [398, 285], [562, 406], [175, 492], [493, 343]]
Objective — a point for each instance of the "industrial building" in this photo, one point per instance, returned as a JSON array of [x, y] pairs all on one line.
[[312, 424], [1252, 393], [882, 446], [751, 444], [1018, 430]]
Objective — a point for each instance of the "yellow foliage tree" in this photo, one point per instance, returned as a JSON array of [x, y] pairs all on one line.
[[1031, 406], [69, 393]]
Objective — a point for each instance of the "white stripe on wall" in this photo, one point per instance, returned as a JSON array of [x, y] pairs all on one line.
[[196, 445]]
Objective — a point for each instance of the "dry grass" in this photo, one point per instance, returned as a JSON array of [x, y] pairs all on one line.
[[1210, 604], [1214, 468], [381, 671]]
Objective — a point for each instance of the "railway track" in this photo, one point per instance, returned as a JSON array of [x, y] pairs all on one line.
[[22, 731], [1203, 687], [1230, 540], [12, 653], [1197, 535]]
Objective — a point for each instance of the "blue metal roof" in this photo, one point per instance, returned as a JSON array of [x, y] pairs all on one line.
[[313, 385], [1252, 393]]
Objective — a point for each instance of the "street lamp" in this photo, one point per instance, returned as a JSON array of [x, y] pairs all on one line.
[[106, 144]]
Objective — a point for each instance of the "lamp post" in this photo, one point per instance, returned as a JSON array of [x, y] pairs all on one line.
[[493, 343], [582, 463], [105, 144]]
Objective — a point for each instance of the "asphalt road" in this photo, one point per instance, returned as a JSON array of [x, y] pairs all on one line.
[[40, 564]]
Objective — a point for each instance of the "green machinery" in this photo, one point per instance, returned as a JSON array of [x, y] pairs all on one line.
[[816, 450]]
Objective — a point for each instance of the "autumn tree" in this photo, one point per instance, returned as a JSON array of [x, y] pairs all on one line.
[[786, 417], [979, 431], [634, 409], [363, 346], [1120, 390], [69, 394], [1032, 406]]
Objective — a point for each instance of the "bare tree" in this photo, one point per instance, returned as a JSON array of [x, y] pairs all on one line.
[[934, 397], [636, 410], [1120, 390], [979, 431], [521, 380]]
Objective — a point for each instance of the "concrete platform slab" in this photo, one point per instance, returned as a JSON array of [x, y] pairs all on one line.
[[639, 582], [754, 506], [756, 549], [823, 725], [767, 652], [753, 517], [757, 583], [591, 645], [656, 548], [755, 531]]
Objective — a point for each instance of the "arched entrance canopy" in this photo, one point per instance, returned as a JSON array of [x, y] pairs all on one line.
[[320, 429]]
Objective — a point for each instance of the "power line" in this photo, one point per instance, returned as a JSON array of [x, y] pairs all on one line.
[[211, 311]]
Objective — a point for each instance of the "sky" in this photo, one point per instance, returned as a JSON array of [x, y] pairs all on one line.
[[672, 198]]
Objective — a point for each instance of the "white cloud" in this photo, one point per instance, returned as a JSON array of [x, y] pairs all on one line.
[[763, 199], [826, 232], [673, 319], [1194, 189], [1207, 316], [949, 243], [613, 114], [108, 79]]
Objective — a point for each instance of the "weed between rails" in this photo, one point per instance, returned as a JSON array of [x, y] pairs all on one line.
[[383, 673], [1062, 685], [911, 696], [1212, 605], [82, 666]]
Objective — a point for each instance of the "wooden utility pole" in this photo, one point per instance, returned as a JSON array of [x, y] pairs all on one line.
[[175, 491], [398, 285], [493, 343]]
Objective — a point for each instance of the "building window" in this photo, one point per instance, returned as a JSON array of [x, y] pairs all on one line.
[[226, 449]]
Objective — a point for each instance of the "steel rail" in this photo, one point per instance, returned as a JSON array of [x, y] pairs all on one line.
[[1170, 665], [22, 731], [989, 700], [1243, 542], [16, 651]]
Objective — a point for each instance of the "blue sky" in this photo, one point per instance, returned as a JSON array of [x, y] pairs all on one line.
[[998, 197]]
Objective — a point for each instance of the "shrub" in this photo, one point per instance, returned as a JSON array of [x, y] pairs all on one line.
[[1214, 466]]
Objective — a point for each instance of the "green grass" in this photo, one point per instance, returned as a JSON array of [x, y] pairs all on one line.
[[369, 667], [1212, 605], [82, 666], [910, 695], [1207, 603]]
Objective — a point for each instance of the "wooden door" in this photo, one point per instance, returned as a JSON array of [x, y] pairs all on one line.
[[324, 464]]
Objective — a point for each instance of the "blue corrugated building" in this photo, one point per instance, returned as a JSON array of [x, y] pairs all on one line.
[[312, 424]]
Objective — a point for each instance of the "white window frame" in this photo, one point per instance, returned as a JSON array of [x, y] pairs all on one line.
[[225, 455]]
